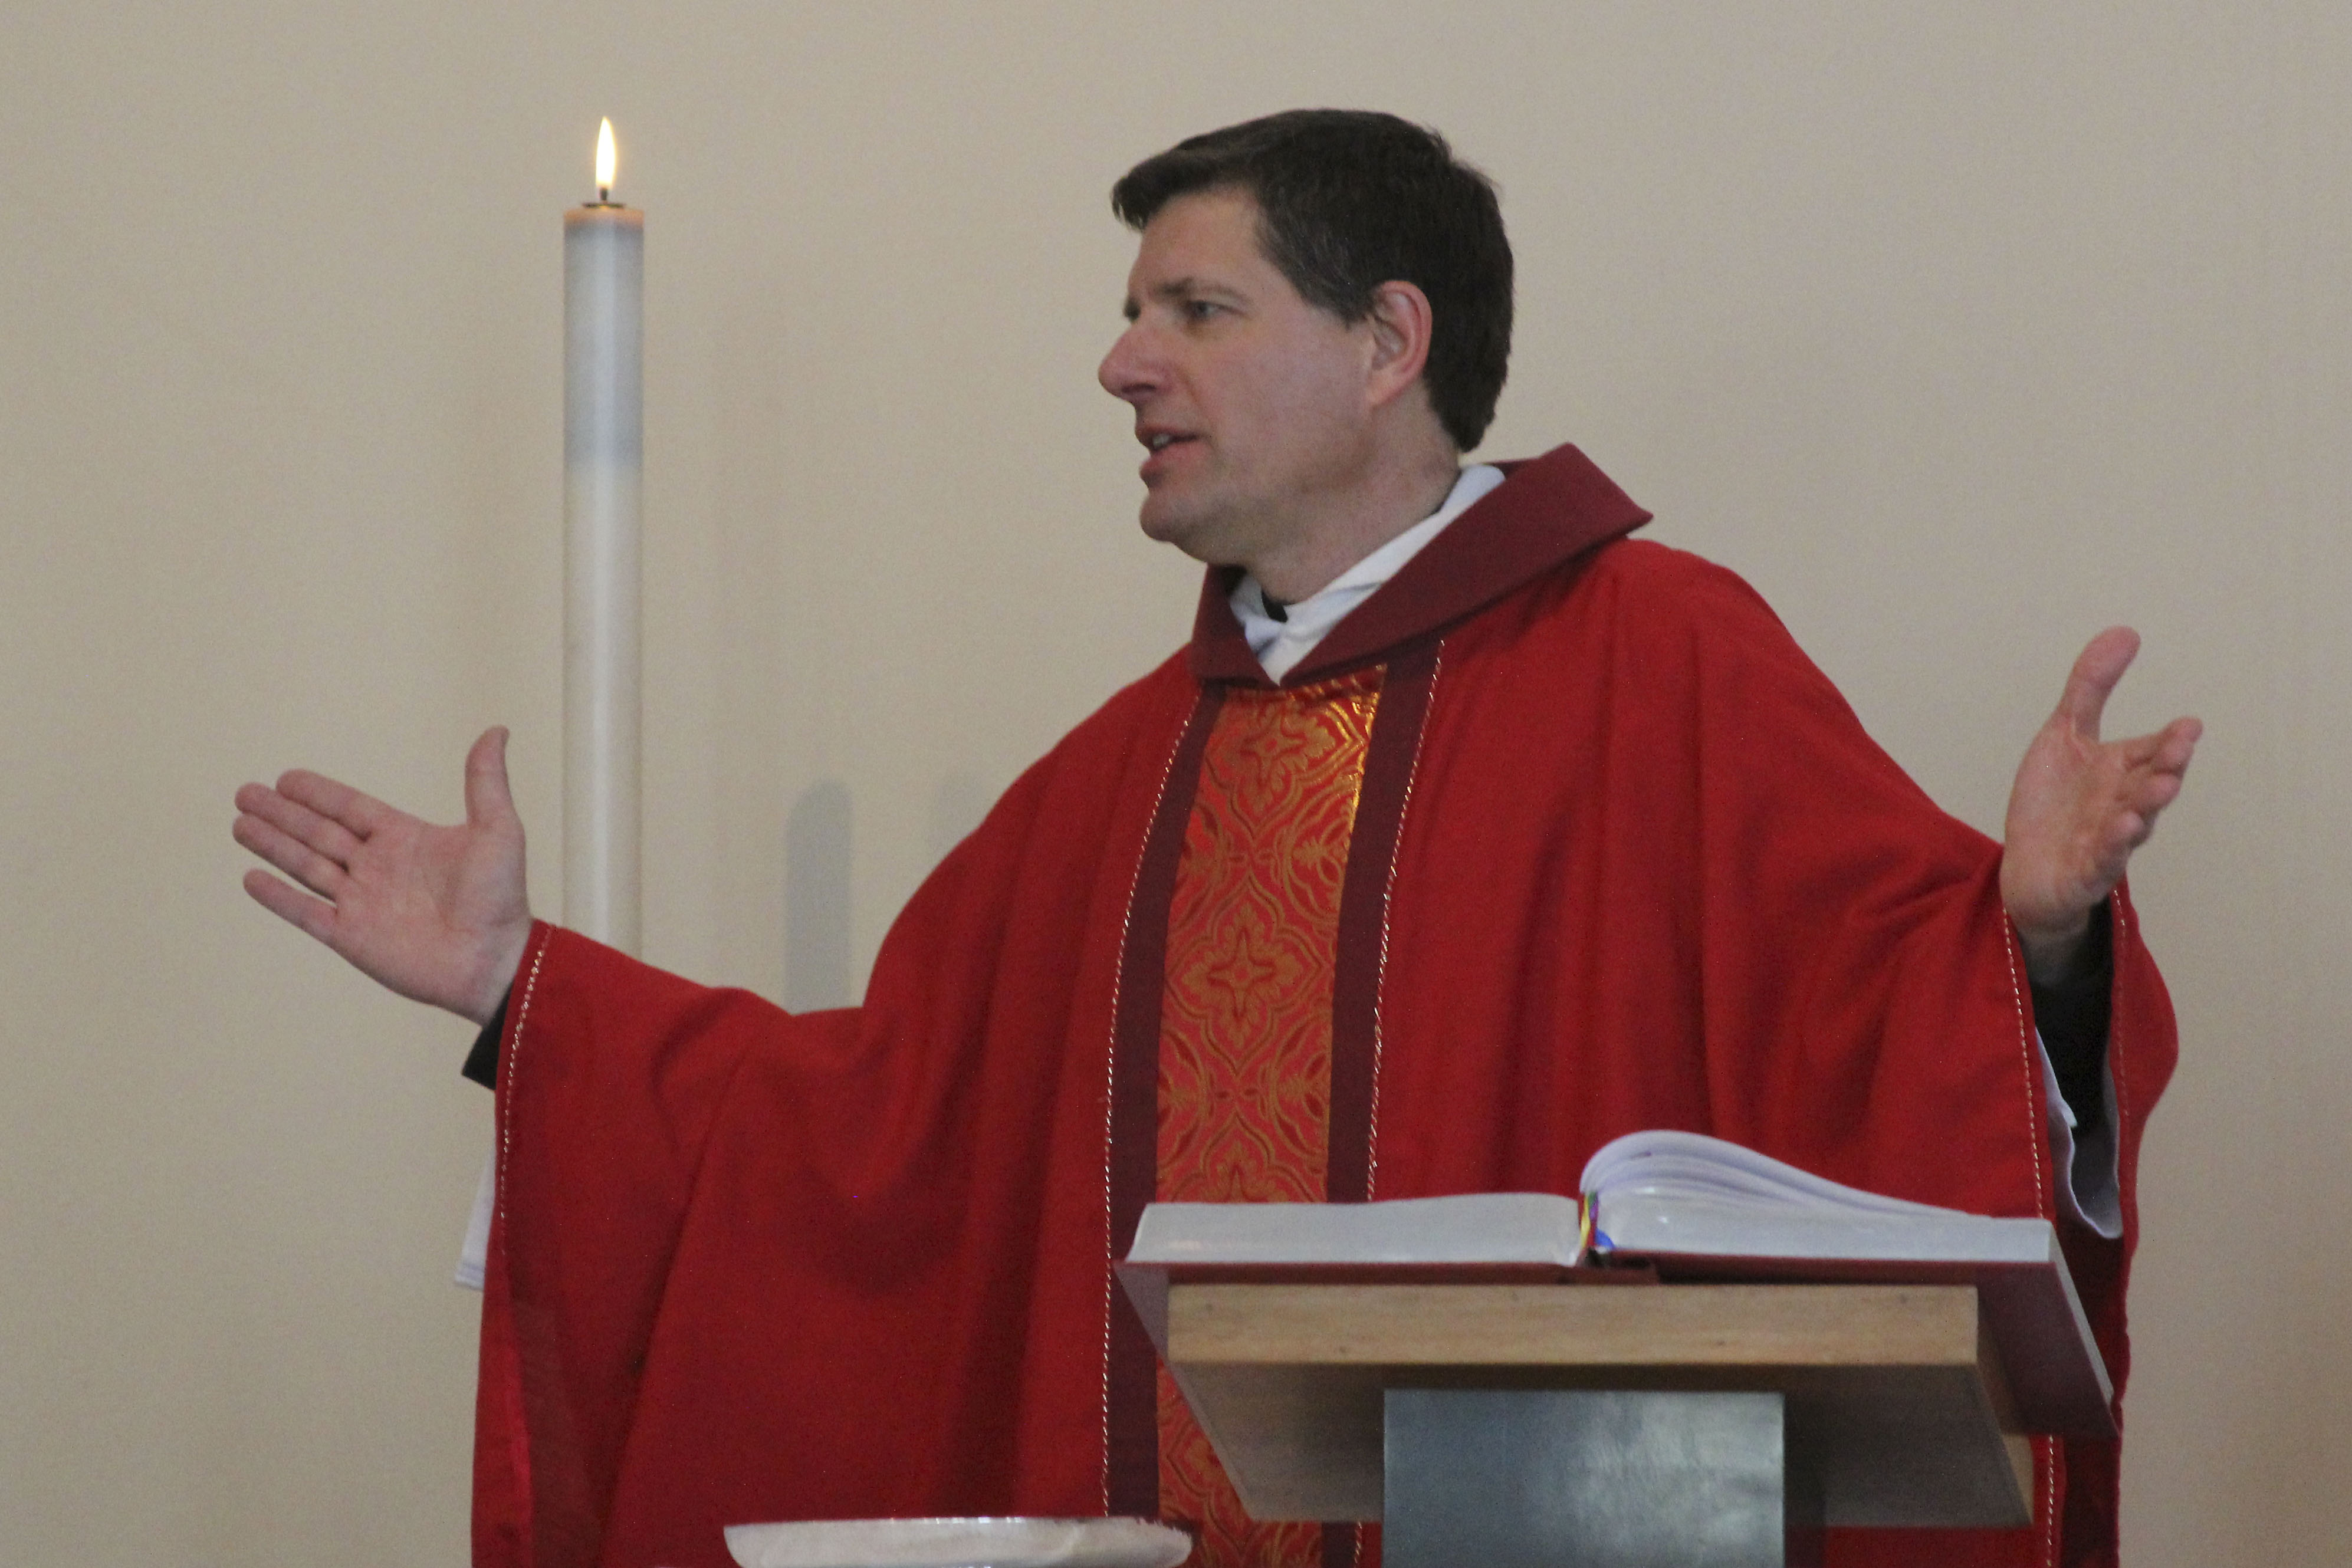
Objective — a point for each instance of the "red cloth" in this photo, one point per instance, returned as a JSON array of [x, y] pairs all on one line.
[[1649, 873]]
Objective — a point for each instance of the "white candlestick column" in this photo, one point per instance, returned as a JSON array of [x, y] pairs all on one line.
[[603, 443]]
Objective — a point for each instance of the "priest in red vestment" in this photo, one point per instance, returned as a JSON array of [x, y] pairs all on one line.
[[1467, 834]]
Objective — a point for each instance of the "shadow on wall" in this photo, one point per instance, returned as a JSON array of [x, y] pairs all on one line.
[[816, 899], [818, 961]]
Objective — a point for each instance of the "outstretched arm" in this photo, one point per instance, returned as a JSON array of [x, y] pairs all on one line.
[[438, 913], [2080, 806]]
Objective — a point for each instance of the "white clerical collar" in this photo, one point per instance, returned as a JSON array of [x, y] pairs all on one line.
[[1280, 645]]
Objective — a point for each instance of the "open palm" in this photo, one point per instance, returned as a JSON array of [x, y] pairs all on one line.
[[2080, 806], [439, 914]]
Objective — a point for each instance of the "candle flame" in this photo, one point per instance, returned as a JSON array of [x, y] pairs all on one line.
[[605, 159]]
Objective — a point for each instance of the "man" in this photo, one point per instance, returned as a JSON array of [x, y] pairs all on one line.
[[1466, 836]]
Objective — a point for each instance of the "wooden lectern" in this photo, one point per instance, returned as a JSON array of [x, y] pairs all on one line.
[[1715, 1426]]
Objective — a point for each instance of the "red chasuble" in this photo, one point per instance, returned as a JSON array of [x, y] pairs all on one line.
[[1557, 837]]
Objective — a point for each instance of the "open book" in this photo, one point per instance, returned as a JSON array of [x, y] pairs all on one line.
[[1683, 1195], [1692, 1208]]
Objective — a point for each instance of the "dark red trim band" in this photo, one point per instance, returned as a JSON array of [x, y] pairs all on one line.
[[1389, 759], [1131, 1441]]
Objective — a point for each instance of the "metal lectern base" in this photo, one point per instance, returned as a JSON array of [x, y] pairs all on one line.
[[1538, 1478]]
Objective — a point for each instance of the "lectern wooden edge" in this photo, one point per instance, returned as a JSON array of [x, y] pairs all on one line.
[[1898, 1409]]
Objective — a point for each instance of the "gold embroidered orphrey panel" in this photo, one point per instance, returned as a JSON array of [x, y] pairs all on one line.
[[1245, 1092]]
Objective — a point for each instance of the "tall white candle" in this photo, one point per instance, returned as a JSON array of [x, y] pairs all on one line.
[[603, 441]]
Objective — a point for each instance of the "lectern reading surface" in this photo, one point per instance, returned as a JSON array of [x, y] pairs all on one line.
[[1692, 1209], [1514, 1409]]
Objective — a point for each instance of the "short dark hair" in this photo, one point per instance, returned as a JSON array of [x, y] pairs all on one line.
[[1348, 200]]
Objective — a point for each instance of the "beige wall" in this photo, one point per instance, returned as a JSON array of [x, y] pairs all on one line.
[[1961, 331]]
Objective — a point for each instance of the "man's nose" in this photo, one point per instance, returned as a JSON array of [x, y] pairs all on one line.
[[1129, 370]]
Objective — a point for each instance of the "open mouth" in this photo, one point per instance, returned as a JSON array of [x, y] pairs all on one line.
[[1158, 446]]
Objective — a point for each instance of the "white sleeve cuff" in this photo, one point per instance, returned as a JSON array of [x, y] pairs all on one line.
[[474, 1255], [2089, 1188]]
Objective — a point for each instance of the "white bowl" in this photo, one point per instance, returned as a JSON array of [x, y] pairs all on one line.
[[959, 1544]]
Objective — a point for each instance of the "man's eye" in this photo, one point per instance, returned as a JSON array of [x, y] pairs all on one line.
[[1200, 309]]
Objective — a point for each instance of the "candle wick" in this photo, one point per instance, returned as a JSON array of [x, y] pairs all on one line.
[[603, 196]]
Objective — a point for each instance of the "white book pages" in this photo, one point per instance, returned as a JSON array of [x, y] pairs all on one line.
[[1693, 1166], [1666, 1192], [1538, 1227]]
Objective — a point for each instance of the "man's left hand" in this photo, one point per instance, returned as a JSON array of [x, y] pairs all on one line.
[[2080, 806]]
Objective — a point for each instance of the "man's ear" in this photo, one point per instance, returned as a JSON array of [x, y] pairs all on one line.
[[1401, 321]]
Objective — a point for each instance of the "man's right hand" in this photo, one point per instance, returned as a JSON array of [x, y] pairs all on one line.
[[438, 913]]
